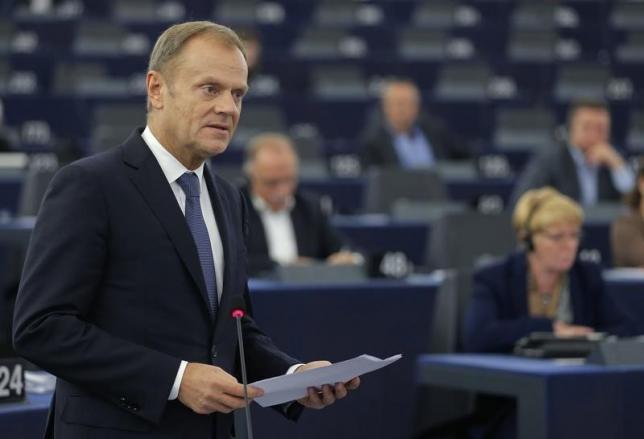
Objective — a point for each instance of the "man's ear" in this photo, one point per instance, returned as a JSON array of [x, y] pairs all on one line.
[[154, 85]]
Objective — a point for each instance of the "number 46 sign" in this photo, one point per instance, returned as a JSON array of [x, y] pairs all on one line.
[[12, 380]]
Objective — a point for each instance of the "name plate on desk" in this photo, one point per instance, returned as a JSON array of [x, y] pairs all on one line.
[[12, 380]]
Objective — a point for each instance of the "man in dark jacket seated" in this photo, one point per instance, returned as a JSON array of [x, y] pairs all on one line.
[[286, 226], [401, 135]]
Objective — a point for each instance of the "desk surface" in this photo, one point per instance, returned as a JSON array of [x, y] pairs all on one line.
[[517, 365], [554, 400]]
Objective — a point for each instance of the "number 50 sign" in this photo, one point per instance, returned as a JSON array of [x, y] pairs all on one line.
[[12, 380]]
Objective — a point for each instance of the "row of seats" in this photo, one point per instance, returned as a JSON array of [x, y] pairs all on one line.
[[624, 14], [454, 82], [513, 131], [105, 38]]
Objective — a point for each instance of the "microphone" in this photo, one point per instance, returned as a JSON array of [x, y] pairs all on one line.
[[239, 311]]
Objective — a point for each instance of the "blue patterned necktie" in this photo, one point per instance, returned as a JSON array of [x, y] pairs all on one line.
[[189, 182]]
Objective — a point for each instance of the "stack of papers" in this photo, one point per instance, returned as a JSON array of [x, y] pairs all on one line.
[[285, 388]]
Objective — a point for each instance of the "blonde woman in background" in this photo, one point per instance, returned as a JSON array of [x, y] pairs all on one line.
[[544, 287]]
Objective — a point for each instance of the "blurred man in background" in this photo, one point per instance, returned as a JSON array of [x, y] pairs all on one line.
[[286, 226], [400, 135], [587, 168]]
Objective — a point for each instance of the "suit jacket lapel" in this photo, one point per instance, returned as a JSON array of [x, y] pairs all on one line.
[[570, 174], [575, 289], [520, 283], [147, 176]]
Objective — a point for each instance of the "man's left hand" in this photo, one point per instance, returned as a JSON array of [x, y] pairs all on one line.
[[327, 394]]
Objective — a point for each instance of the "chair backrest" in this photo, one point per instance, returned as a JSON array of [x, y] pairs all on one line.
[[427, 211], [581, 81], [467, 81], [635, 136], [320, 273], [35, 185], [450, 306], [258, 118], [385, 186], [423, 44], [523, 128], [339, 82], [461, 240]]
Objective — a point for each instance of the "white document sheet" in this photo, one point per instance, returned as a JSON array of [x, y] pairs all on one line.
[[285, 388]]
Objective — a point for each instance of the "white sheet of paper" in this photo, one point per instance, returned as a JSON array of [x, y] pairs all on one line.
[[285, 388]]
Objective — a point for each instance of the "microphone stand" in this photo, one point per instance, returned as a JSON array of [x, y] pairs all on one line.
[[237, 315]]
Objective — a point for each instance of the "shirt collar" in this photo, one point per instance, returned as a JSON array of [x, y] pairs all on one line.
[[578, 157], [262, 206], [411, 134], [171, 167]]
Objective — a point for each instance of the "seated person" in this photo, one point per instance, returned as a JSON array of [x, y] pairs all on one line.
[[627, 232], [544, 288], [587, 168], [401, 136], [286, 226]]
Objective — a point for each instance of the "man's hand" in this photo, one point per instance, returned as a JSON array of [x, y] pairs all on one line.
[[328, 394], [344, 257], [603, 154], [562, 329], [206, 389]]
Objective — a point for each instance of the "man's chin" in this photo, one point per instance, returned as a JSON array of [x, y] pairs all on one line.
[[214, 148]]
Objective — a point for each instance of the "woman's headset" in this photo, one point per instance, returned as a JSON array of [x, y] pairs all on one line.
[[527, 232]]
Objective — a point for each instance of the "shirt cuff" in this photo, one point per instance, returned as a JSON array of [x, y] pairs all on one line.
[[174, 393], [293, 368], [623, 179]]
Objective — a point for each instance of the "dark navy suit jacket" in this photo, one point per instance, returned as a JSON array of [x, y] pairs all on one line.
[[498, 315], [112, 298]]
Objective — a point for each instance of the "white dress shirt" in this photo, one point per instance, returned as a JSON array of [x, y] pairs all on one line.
[[278, 227], [173, 169]]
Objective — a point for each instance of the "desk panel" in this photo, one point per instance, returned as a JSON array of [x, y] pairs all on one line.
[[338, 322], [331, 322], [554, 401]]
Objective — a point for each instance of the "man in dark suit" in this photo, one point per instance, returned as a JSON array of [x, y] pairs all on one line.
[[135, 260], [286, 226], [587, 168], [400, 136]]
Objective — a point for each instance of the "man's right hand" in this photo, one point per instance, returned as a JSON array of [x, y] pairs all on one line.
[[206, 389]]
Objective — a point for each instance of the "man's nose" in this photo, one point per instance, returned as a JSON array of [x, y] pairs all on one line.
[[226, 104]]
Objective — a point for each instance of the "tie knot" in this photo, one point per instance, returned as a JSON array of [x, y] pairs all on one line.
[[189, 182]]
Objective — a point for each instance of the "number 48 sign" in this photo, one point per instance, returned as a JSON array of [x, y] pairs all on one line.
[[12, 380]]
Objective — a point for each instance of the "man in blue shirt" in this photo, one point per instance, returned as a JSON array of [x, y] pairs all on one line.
[[401, 136], [587, 168]]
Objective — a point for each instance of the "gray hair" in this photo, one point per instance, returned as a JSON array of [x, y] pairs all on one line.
[[268, 140]]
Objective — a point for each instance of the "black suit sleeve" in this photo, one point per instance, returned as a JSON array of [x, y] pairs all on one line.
[[62, 280], [316, 237], [535, 175]]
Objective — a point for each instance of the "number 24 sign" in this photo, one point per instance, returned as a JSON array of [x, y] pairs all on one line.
[[12, 382]]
